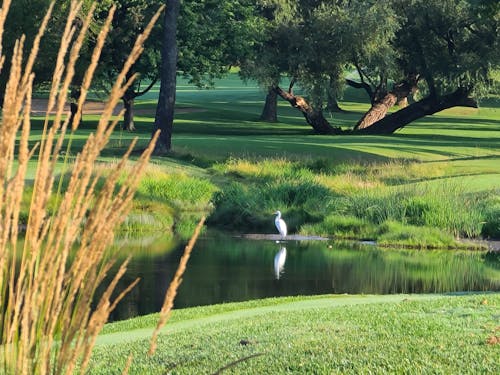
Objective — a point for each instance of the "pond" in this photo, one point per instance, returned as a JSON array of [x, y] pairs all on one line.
[[224, 268]]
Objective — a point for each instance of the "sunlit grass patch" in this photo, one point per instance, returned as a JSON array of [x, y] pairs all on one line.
[[341, 227], [179, 190], [170, 201], [396, 234], [400, 171], [264, 168]]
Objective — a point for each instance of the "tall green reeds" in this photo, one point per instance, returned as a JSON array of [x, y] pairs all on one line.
[[353, 201], [47, 321]]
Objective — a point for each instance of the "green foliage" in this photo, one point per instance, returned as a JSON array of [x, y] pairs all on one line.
[[340, 227], [25, 17], [269, 186], [394, 233], [349, 201], [215, 35], [451, 43], [445, 206], [172, 201], [491, 226], [129, 20], [179, 190]]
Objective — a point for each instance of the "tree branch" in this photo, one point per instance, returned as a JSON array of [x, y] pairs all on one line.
[[141, 93], [363, 85], [292, 83]]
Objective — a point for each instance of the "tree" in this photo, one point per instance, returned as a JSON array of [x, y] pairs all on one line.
[[24, 18], [445, 50], [130, 18], [327, 37], [268, 61], [164, 117], [201, 40], [453, 46]]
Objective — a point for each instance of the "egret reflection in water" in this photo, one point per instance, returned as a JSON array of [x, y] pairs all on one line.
[[279, 262]]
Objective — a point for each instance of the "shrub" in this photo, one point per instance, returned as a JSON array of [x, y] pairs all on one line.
[[491, 224], [342, 227], [394, 233]]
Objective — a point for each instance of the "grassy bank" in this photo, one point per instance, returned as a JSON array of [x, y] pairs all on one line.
[[321, 335], [433, 182], [393, 202]]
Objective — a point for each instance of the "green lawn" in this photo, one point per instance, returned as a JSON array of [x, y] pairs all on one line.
[[436, 179], [320, 335], [217, 138]]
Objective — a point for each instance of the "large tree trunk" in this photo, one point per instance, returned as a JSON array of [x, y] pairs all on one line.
[[128, 116], [313, 117], [164, 118], [424, 107], [377, 111], [380, 107], [270, 111]]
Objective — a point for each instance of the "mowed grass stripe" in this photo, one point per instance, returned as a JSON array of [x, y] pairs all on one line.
[[323, 302]]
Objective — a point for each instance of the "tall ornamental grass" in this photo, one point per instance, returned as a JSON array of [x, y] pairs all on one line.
[[48, 322]]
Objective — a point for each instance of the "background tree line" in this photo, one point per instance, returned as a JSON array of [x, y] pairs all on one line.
[[424, 56]]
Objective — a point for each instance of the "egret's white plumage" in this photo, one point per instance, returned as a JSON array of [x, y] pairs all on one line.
[[279, 262], [280, 224]]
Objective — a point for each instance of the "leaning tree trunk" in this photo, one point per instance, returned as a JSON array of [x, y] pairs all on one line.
[[402, 102], [313, 117], [164, 118], [380, 107], [270, 111], [424, 107], [128, 116], [377, 111]]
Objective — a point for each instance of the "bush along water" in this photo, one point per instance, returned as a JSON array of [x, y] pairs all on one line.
[[356, 202], [173, 202]]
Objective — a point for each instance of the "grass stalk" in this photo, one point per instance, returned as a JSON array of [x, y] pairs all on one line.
[[168, 303], [49, 276]]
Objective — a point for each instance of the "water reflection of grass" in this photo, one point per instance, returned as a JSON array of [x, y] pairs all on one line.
[[144, 246], [409, 271]]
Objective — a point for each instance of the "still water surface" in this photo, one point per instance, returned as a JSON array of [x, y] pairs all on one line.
[[223, 268]]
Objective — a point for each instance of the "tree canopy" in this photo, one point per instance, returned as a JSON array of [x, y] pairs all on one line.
[[445, 50], [437, 53]]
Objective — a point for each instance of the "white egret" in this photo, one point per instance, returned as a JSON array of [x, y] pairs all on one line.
[[279, 262], [280, 224]]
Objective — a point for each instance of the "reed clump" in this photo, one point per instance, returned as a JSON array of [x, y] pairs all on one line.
[[354, 201], [48, 320]]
